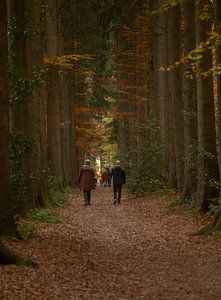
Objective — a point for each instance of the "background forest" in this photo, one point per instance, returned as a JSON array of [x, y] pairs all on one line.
[[136, 80]]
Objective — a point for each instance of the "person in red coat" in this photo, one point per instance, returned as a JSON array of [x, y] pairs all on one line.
[[86, 181]]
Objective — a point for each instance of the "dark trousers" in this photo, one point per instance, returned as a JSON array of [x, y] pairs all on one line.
[[117, 192], [87, 197]]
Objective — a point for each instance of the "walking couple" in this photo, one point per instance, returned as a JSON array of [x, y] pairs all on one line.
[[87, 181]]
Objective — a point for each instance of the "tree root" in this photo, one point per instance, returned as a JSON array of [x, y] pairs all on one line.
[[214, 226], [10, 257]]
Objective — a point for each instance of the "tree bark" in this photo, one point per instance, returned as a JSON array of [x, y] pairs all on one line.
[[207, 154], [190, 103], [26, 59], [6, 207], [176, 91], [216, 225], [53, 103]]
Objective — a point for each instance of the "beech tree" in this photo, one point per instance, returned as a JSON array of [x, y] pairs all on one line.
[[189, 102], [176, 91], [207, 155], [216, 225], [26, 65], [53, 104], [6, 208]]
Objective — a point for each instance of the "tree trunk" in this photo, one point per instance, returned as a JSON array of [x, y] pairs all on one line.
[[172, 170], [190, 103], [207, 155], [176, 91], [67, 12], [53, 104], [160, 88], [6, 207], [27, 64], [216, 225], [159, 103]]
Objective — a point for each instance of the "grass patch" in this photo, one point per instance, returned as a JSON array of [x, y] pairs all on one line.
[[24, 228], [44, 216]]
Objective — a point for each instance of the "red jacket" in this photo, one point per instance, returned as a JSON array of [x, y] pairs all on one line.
[[86, 178]]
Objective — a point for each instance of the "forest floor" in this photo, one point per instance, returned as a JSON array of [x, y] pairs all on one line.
[[140, 249]]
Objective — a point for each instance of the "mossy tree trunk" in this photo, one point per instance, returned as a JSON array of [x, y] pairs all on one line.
[[26, 64], [6, 211], [8, 256]]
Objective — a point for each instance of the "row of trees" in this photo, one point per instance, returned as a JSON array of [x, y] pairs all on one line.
[[189, 117], [182, 63], [48, 79]]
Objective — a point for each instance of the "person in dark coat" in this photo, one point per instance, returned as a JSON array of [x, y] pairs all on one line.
[[119, 178], [86, 181]]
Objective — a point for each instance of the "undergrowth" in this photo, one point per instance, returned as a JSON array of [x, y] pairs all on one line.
[[25, 227]]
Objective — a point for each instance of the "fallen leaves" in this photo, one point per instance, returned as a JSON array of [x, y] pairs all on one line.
[[137, 250]]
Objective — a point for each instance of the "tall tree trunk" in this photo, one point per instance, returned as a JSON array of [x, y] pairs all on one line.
[[207, 155], [123, 102], [66, 13], [160, 87], [157, 88], [190, 103], [176, 91], [172, 170], [53, 104], [6, 207], [26, 64], [216, 225]]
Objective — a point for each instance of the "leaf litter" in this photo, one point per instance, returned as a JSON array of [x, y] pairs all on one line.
[[137, 250]]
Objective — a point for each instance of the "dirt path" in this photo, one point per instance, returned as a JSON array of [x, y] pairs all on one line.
[[137, 250]]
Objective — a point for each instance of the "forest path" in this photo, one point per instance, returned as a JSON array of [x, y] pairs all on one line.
[[137, 250]]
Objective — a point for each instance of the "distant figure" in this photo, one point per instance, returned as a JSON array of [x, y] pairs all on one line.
[[86, 181], [119, 178], [104, 178]]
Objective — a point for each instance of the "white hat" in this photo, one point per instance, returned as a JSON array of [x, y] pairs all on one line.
[[87, 162]]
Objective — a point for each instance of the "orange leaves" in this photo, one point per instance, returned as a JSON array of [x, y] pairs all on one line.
[[86, 110], [120, 115], [88, 134], [66, 60]]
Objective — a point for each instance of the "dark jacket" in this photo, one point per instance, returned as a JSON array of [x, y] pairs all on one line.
[[86, 178], [118, 175]]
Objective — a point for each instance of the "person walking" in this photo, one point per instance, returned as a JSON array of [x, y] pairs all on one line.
[[119, 178], [104, 178], [86, 181], [109, 177]]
